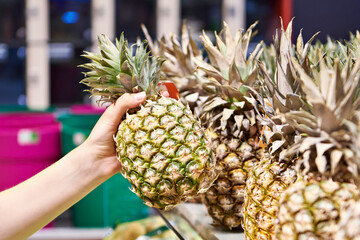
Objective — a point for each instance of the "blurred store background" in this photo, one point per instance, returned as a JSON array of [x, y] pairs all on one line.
[[69, 29], [41, 42], [69, 25]]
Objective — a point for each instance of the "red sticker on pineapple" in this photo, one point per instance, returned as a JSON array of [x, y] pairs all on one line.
[[171, 88], [28, 137]]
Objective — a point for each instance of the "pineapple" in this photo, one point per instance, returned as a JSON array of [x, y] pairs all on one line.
[[272, 176], [335, 49], [230, 116], [179, 66], [353, 45], [350, 48], [328, 156], [349, 224], [310, 209], [328, 51], [161, 146], [348, 227]]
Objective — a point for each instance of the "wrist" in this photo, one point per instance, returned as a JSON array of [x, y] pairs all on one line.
[[93, 161]]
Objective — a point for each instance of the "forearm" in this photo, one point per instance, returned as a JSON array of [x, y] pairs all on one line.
[[29, 206]]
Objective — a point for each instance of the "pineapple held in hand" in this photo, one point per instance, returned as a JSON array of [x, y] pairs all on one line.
[[161, 147]]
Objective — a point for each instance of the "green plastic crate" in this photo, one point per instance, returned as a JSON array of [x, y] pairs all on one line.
[[19, 108], [120, 203], [75, 129], [110, 203]]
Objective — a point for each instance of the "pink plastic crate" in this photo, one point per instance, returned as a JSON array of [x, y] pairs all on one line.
[[26, 142], [29, 143], [86, 109], [25, 119]]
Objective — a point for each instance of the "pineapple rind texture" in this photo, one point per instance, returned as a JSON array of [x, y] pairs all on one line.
[[164, 153], [311, 209], [264, 186], [349, 225], [225, 198]]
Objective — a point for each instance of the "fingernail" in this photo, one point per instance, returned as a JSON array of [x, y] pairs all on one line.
[[140, 96]]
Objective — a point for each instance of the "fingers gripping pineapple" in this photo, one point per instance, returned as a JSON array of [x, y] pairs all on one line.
[[161, 146], [230, 115], [328, 156]]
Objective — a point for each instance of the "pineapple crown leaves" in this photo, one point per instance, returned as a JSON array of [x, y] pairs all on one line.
[[145, 69], [279, 84], [230, 108], [354, 126], [179, 56], [229, 73], [226, 92], [106, 63], [303, 50], [325, 156], [235, 116], [229, 64], [335, 49], [333, 97], [275, 133], [279, 87], [327, 146], [120, 68], [268, 58], [351, 47]]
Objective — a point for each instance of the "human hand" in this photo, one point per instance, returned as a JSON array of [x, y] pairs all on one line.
[[100, 145]]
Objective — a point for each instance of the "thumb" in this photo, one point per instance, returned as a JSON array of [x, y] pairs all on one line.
[[116, 110]]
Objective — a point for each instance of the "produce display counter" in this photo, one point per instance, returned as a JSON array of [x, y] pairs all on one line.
[[199, 220], [67, 233], [189, 221]]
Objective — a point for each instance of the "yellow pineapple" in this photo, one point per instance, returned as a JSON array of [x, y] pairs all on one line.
[[328, 156], [272, 176], [348, 227], [161, 146], [230, 116]]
